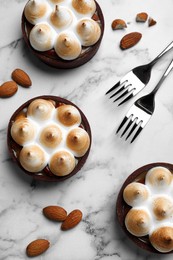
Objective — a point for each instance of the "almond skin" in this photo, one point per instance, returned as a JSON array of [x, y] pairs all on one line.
[[129, 40], [141, 17], [118, 24], [55, 213], [151, 22], [37, 247], [8, 89], [95, 17], [21, 78], [72, 220]]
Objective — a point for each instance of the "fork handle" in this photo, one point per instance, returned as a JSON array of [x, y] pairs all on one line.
[[169, 47], [167, 71]]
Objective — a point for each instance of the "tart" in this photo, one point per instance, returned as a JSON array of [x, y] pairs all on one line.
[[145, 207], [49, 138], [63, 34]]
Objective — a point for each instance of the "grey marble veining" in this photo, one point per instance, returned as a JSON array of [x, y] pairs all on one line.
[[95, 188]]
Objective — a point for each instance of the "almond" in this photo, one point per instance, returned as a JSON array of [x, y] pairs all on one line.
[[129, 40], [55, 213], [72, 220], [151, 22], [95, 17], [21, 78], [37, 247], [8, 89], [141, 17], [118, 24]]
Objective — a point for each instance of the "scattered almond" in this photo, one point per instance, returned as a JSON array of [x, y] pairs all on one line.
[[8, 89], [129, 40], [55, 213], [141, 17], [37, 247], [118, 24], [72, 220], [151, 22], [21, 78]]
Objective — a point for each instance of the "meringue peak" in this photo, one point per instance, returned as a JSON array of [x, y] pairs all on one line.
[[34, 10], [84, 7], [56, 8], [61, 17], [67, 42]]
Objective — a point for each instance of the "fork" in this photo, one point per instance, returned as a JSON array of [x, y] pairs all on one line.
[[135, 80], [141, 111]]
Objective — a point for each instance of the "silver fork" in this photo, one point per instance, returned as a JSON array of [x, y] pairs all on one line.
[[142, 110], [135, 80]]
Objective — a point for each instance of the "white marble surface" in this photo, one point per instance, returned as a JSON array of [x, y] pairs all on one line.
[[94, 189]]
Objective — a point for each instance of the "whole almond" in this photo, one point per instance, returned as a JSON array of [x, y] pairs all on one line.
[[118, 24], [21, 78], [8, 89], [129, 40], [55, 213], [37, 247], [72, 220]]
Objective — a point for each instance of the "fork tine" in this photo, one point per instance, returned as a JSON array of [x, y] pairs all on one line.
[[114, 87], [132, 129], [127, 127], [122, 123], [124, 100], [137, 133], [122, 95], [119, 90]]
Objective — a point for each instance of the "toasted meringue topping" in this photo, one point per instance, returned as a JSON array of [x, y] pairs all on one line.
[[89, 31], [162, 207], [62, 163], [158, 177], [40, 109], [58, 28], [32, 158], [162, 239], [152, 212], [138, 222], [42, 37], [78, 141], [61, 17], [135, 193], [68, 115], [23, 131], [41, 128], [67, 46], [51, 136], [35, 9], [84, 6]]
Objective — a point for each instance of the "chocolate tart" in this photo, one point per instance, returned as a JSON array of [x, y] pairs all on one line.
[[46, 174], [52, 59], [122, 207]]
